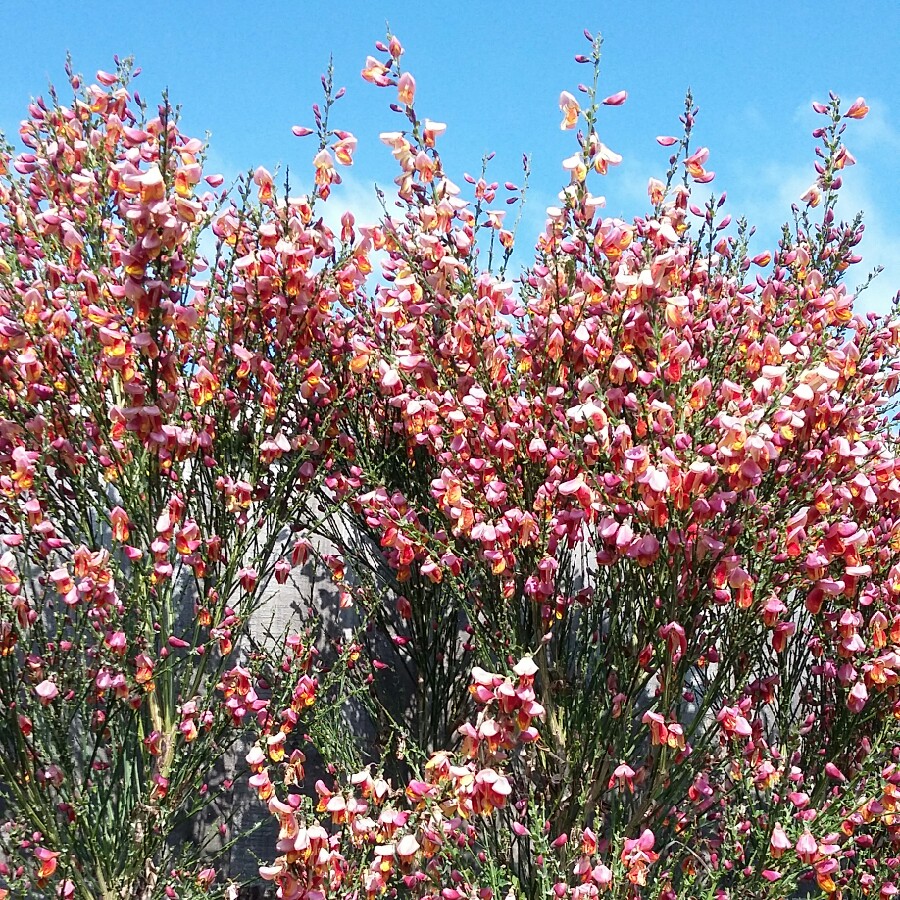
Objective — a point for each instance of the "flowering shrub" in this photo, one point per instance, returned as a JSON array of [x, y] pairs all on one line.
[[652, 484], [154, 446]]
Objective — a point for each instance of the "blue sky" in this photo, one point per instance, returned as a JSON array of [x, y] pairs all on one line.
[[248, 71]]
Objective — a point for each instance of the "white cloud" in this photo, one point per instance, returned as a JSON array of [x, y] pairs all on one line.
[[770, 192]]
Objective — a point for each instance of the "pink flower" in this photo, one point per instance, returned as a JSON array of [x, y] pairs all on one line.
[[624, 775], [525, 667], [694, 165], [344, 148], [616, 99], [857, 697], [117, 642], [779, 842], [659, 734], [857, 110], [638, 856], [432, 130], [572, 487], [406, 89], [570, 109], [407, 848], [47, 691], [375, 72], [733, 723], [807, 849], [247, 577], [603, 876], [48, 864], [119, 521]]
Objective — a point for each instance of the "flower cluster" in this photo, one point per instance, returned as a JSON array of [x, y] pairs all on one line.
[[380, 834], [152, 447], [663, 466], [655, 478]]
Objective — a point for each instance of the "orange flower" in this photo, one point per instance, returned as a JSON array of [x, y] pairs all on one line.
[[48, 864], [375, 72], [570, 109], [343, 149], [857, 110], [406, 89], [144, 673], [119, 520]]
